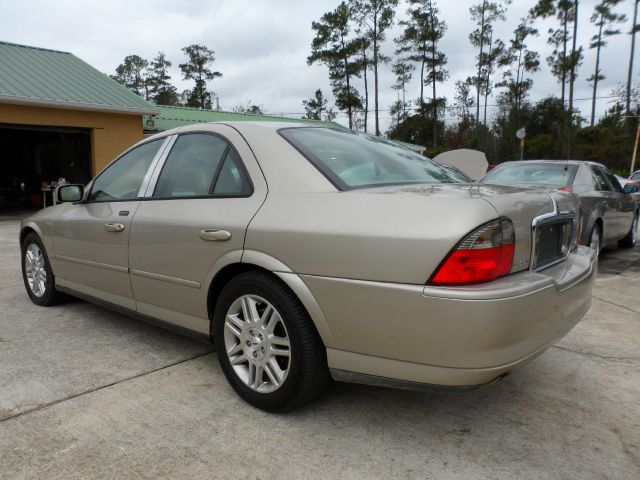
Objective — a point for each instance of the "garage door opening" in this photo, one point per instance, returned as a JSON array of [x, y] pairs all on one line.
[[32, 158]]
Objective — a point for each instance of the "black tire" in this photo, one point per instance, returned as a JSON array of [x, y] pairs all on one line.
[[308, 373], [50, 296], [630, 240]]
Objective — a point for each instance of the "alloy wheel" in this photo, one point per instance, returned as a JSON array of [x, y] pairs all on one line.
[[257, 343], [594, 241], [35, 270]]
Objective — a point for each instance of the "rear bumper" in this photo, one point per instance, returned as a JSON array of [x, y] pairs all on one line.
[[464, 336]]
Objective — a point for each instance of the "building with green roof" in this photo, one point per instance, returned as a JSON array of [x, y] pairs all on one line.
[[173, 117], [59, 117]]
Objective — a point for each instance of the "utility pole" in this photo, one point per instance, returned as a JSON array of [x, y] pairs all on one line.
[[635, 150], [521, 134]]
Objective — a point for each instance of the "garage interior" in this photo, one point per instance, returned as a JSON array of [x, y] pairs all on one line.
[[34, 157]]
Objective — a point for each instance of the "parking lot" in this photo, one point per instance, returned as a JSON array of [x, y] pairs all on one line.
[[87, 393]]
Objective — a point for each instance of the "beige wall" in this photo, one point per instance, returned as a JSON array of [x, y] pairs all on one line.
[[111, 133]]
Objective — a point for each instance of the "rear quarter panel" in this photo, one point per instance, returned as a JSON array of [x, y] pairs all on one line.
[[386, 237]]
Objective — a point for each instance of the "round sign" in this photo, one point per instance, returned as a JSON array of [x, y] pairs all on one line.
[[521, 133]]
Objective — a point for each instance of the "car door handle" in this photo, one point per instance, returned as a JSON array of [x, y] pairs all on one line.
[[215, 235], [114, 227]]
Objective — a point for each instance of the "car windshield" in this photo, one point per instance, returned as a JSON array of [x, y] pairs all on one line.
[[550, 174], [635, 176], [355, 160]]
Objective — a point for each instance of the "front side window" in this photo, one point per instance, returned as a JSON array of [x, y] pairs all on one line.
[[123, 178], [354, 160], [199, 165], [613, 181], [560, 174]]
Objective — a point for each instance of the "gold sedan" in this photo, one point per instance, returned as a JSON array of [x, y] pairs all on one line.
[[306, 253]]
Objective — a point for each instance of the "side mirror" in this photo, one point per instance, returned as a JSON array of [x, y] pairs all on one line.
[[631, 188], [70, 193]]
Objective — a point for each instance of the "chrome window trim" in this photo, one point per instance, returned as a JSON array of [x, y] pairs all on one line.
[[551, 217], [153, 171]]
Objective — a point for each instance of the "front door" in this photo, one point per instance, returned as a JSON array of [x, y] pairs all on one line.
[[625, 206], [604, 190], [194, 220], [91, 238]]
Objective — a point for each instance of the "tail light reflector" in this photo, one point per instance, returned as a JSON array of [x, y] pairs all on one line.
[[483, 256]]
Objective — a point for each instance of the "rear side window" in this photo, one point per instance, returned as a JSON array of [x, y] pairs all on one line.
[[354, 160], [231, 179], [560, 174], [600, 180], [123, 178], [199, 165]]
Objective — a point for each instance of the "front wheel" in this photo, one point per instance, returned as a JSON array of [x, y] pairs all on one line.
[[630, 240], [268, 347], [37, 273]]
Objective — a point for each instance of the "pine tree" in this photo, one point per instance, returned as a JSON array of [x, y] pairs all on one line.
[[518, 61], [484, 14], [420, 40], [604, 18], [316, 108], [635, 28], [334, 46], [559, 37], [161, 91], [374, 17], [197, 68], [403, 72], [132, 73]]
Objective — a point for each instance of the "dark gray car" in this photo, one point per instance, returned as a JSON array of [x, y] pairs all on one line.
[[609, 214]]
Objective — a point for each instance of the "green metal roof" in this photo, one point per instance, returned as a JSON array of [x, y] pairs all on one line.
[[50, 78], [172, 117]]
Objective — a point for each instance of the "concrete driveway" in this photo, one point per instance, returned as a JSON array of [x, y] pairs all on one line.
[[86, 393]]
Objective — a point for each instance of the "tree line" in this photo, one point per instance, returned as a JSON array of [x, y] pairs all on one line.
[[348, 42], [151, 79]]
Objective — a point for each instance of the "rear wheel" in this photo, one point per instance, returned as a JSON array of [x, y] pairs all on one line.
[[595, 239], [37, 274], [630, 240], [267, 345]]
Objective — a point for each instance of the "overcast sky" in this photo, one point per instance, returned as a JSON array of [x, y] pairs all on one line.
[[262, 45]]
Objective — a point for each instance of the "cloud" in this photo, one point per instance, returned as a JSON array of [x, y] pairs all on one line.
[[262, 45]]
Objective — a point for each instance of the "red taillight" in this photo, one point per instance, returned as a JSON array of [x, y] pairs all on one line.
[[566, 189], [484, 255]]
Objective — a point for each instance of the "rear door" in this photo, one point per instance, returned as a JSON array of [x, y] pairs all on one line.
[[91, 238], [192, 220]]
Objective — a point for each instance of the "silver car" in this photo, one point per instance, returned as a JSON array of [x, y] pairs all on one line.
[[609, 211], [307, 253]]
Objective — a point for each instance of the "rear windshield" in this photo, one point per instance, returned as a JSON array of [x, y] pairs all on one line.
[[552, 174], [355, 160]]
